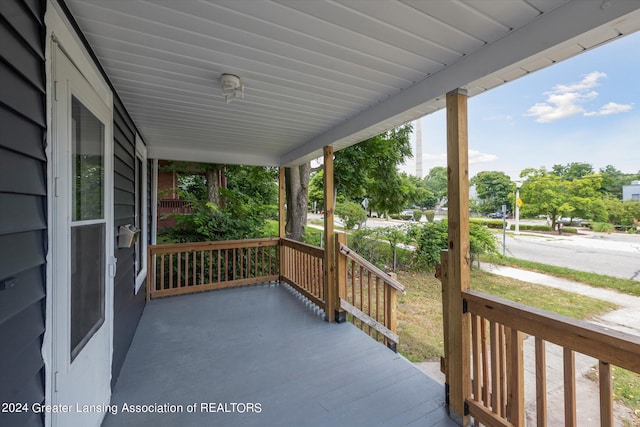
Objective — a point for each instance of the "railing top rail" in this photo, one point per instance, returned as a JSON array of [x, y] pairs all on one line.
[[304, 247], [223, 244], [607, 345], [372, 268]]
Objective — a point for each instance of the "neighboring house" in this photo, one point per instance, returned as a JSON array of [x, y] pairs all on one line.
[[168, 197], [93, 93], [631, 191]]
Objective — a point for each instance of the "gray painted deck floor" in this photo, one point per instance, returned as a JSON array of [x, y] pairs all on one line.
[[264, 345]]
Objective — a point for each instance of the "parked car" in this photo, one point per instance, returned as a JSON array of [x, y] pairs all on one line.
[[571, 221], [407, 214], [496, 215]]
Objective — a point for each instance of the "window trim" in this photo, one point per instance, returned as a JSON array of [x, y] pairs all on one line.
[[141, 161]]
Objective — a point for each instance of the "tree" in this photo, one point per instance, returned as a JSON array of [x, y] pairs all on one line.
[[370, 169], [316, 189], [572, 171], [586, 199], [237, 212], [494, 190], [613, 180], [257, 182], [419, 194], [433, 238], [209, 171], [351, 214], [632, 211], [297, 191], [545, 193], [357, 171], [436, 182]]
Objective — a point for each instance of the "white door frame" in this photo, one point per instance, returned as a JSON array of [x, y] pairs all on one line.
[[61, 32]]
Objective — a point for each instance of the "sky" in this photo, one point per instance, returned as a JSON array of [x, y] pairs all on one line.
[[584, 109]]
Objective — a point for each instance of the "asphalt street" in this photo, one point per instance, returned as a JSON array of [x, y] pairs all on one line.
[[613, 254]]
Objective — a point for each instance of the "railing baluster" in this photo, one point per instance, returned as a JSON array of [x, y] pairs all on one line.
[[369, 297], [569, 387], [378, 304], [606, 394], [161, 272], [353, 285], [476, 362], [210, 266], [495, 375], [194, 263], [485, 362], [179, 270], [503, 372], [361, 294], [171, 271], [186, 268], [515, 378], [541, 383]]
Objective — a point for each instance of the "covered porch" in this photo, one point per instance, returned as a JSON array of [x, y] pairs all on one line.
[[266, 351], [308, 79]]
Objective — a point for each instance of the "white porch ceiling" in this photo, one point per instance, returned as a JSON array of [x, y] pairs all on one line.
[[321, 72]]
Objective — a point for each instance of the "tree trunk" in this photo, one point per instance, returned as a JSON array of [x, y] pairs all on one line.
[[213, 187], [297, 195]]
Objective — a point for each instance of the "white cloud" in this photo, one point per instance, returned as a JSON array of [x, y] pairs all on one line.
[[588, 82], [614, 108], [566, 101], [476, 156]]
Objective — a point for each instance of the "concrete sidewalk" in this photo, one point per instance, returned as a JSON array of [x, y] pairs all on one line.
[[625, 319]]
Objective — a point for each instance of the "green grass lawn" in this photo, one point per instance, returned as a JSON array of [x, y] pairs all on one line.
[[631, 287], [420, 310]]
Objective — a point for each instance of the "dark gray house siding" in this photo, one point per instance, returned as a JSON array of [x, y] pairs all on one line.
[[127, 306], [23, 197]]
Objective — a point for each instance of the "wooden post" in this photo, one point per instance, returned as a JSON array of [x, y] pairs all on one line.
[[329, 237], [341, 277], [458, 323], [281, 202], [282, 199]]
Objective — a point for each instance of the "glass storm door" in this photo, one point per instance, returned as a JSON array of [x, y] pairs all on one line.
[[81, 244]]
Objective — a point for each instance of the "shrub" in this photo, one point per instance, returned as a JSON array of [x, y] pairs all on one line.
[[490, 223], [430, 215], [405, 215], [366, 242], [208, 222], [481, 241], [602, 227], [351, 213], [417, 214], [434, 238]]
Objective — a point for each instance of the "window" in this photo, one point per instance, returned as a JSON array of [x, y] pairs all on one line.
[[87, 226], [140, 213]]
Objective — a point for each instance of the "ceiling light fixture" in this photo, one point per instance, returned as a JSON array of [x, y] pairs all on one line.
[[232, 87]]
